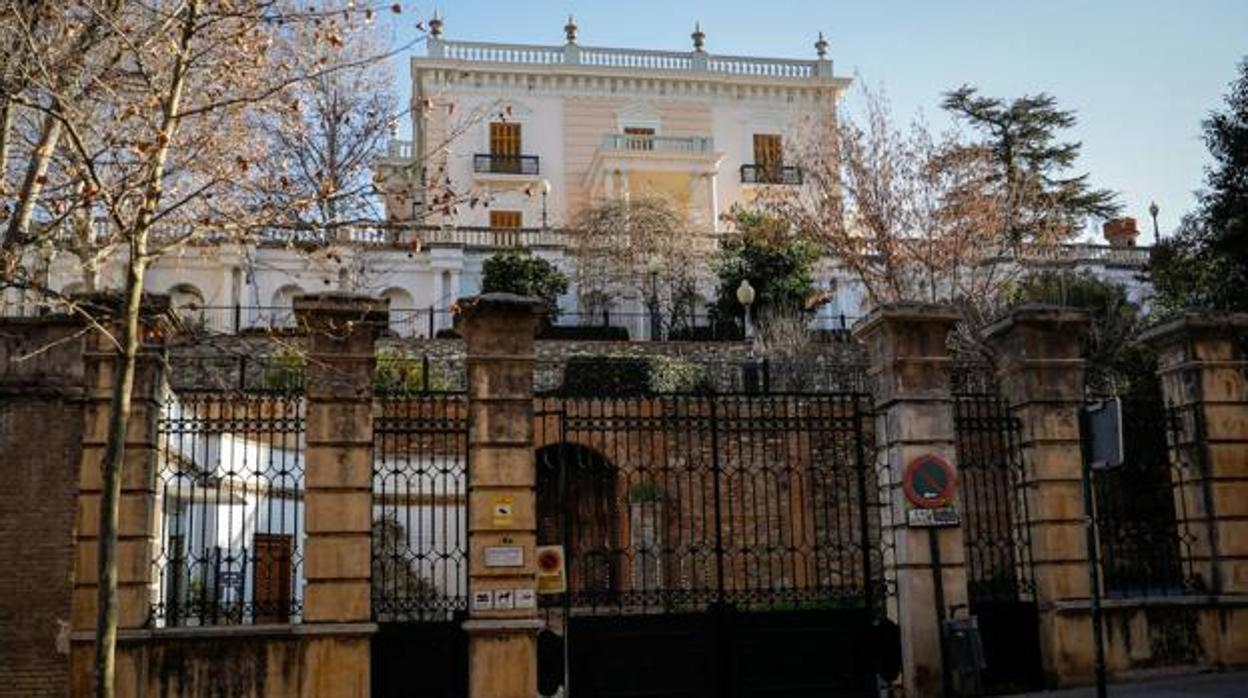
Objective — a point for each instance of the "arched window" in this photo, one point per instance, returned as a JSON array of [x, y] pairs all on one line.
[[404, 317], [188, 303], [281, 312]]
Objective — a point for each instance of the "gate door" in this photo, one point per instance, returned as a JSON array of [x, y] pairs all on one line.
[[715, 545], [420, 546], [995, 533]]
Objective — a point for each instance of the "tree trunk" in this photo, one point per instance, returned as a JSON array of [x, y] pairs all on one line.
[[32, 186], [114, 456]]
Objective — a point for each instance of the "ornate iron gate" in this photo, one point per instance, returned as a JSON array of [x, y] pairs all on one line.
[[420, 544], [995, 532], [716, 545]]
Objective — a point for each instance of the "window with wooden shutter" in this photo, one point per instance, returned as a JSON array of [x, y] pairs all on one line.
[[768, 155], [505, 219], [505, 146]]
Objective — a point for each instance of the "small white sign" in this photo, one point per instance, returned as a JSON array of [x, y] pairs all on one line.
[[526, 598], [504, 599], [933, 518], [504, 556], [482, 601]]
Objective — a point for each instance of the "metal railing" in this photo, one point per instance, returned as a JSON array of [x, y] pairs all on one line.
[[629, 142], [505, 164], [771, 174]]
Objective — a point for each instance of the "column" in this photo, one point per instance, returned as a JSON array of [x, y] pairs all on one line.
[[137, 523], [1203, 363], [502, 522], [1040, 369], [909, 362], [341, 331]]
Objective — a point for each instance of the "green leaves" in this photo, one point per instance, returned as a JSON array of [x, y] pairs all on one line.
[[515, 271]]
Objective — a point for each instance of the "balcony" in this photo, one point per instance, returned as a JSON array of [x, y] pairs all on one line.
[[631, 143], [489, 163], [762, 174]]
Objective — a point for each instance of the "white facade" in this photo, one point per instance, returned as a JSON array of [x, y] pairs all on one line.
[[590, 123]]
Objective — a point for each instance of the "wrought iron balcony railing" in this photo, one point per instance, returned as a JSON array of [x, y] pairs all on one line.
[[771, 174], [490, 163]]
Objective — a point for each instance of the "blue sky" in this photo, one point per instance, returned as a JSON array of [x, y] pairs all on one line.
[[1140, 73]]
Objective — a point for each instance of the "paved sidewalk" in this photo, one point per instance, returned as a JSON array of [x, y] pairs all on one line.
[[1227, 685]]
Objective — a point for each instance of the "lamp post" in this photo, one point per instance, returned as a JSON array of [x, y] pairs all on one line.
[[545, 193], [1153, 210], [745, 296]]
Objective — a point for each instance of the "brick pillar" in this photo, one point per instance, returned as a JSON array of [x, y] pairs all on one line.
[[137, 508], [41, 390], [1039, 366], [499, 330], [342, 330], [1203, 363], [909, 362]]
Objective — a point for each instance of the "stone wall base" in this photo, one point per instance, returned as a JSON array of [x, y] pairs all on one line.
[[235, 662], [1149, 636]]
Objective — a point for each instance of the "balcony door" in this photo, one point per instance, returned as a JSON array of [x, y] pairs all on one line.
[[505, 147], [768, 156]]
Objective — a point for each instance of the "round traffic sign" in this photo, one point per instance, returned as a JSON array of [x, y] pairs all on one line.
[[929, 481]]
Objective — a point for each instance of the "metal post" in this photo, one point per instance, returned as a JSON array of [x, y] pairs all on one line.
[[238, 318], [432, 329], [938, 582], [1094, 577]]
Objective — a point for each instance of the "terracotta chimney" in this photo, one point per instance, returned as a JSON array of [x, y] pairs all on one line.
[[1121, 232]]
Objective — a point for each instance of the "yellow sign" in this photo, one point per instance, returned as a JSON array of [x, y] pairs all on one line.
[[501, 511], [552, 576]]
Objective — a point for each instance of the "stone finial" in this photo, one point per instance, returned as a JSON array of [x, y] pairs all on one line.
[[569, 29], [435, 25], [699, 37], [821, 47]]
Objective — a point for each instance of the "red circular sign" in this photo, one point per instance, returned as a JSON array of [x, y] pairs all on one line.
[[929, 481]]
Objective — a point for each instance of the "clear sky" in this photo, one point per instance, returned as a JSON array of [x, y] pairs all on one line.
[[1141, 73]]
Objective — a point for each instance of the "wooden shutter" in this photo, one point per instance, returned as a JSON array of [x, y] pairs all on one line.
[[505, 147], [273, 580], [768, 155], [639, 138], [505, 219]]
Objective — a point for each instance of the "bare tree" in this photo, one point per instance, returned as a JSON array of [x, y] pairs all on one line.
[[913, 216], [640, 247], [133, 129]]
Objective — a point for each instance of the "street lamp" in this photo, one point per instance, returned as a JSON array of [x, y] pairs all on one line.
[[1153, 210], [745, 296], [545, 193]]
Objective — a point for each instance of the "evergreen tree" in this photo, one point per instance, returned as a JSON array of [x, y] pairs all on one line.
[[1045, 202], [1206, 264], [516, 271]]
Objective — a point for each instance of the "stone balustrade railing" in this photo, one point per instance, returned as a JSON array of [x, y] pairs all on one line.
[[629, 59]]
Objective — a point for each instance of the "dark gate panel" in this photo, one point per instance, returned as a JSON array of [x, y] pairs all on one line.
[[995, 532], [420, 545], [717, 545]]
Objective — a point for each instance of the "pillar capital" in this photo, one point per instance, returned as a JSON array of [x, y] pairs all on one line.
[[338, 313], [908, 346], [1198, 337], [1038, 351]]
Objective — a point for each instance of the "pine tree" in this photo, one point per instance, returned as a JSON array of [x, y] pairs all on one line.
[[1046, 204], [1206, 264]]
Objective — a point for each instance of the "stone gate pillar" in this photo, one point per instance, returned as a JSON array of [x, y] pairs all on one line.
[[1203, 363], [1037, 351], [502, 522], [909, 362], [338, 386], [137, 512]]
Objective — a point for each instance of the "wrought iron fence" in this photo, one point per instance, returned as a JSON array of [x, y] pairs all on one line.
[[231, 493], [991, 487], [1142, 520], [420, 512], [677, 503]]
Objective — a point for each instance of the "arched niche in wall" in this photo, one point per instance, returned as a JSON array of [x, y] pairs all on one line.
[[281, 311], [404, 317], [188, 302]]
